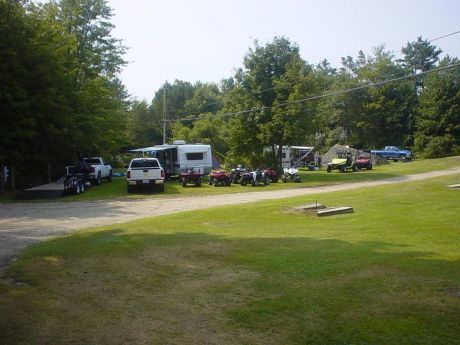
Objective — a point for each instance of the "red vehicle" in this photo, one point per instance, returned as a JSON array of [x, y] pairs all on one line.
[[191, 176], [363, 160], [271, 174], [220, 178]]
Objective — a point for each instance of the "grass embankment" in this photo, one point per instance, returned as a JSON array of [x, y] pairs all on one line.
[[117, 189], [251, 274]]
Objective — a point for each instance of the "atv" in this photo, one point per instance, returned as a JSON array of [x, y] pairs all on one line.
[[343, 162], [220, 178], [363, 160], [190, 176], [272, 174], [290, 174], [255, 178], [237, 172]]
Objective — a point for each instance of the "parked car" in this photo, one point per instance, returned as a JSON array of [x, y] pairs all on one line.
[[99, 169], [145, 173], [394, 153]]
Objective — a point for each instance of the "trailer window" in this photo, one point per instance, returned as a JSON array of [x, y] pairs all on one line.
[[194, 156]]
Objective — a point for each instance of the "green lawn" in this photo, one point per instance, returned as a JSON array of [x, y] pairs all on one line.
[[117, 188], [252, 274]]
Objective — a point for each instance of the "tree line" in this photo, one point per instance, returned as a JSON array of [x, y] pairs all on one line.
[[259, 105], [60, 96]]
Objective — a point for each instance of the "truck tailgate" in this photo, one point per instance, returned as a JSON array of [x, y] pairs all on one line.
[[145, 173]]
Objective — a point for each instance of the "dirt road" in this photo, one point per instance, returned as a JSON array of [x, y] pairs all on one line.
[[22, 224]]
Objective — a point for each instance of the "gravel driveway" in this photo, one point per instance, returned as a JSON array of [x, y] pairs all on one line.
[[22, 224]]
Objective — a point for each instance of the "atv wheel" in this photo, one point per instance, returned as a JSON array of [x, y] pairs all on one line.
[[255, 183], [284, 178], [216, 182], [266, 181], [369, 166], [244, 182], [353, 167], [343, 169], [329, 169], [198, 182], [184, 182], [235, 178]]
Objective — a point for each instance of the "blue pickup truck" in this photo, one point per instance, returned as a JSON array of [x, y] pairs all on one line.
[[392, 152]]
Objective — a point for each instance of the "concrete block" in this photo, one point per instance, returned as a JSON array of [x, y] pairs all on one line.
[[329, 211]]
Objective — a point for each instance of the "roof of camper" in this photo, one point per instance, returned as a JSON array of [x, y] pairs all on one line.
[[166, 146]]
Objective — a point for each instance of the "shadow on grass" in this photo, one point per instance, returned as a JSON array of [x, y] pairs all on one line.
[[282, 290]]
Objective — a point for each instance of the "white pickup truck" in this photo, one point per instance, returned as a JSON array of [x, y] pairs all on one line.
[[99, 169], [145, 172]]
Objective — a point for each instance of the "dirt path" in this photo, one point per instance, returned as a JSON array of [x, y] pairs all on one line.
[[22, 224]]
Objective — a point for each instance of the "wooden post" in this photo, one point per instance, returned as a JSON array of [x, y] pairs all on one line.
[[13, 185], [2, 184]]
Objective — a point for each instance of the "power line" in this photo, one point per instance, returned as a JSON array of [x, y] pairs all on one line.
[[271, 88], [328, 94], [444, 36]]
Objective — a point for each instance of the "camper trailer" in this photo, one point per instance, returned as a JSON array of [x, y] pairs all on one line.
[[295, 156], [179, 156]]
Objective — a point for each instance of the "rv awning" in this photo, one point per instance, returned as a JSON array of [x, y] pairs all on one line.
[[308, 148], [153, 148]]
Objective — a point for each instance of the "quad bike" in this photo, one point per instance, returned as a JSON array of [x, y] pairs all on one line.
[[343, 162], [255, 178], [237, 172], [363, 160], [190, 176], [290, 174], [220, 178], [272, 174]]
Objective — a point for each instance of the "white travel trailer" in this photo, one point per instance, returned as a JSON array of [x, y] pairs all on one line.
[[178, 156], [294, 156]]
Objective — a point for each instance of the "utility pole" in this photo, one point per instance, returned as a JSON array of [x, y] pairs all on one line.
[[164, 114]]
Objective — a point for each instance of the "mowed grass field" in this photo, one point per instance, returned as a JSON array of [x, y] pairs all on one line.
[[253, 274], [117, 188]]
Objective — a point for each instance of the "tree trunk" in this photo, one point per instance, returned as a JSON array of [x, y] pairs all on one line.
[[2, 185]]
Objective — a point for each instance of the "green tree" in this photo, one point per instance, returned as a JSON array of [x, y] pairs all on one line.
[[421, 55], [438, 116]]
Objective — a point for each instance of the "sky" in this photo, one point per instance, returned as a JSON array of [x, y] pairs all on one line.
[[205, 40]]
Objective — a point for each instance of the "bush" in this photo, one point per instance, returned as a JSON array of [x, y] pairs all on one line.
[[435, 147]]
